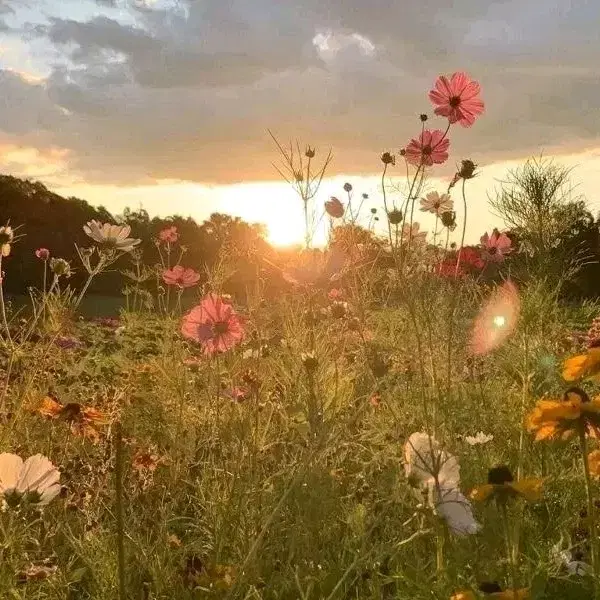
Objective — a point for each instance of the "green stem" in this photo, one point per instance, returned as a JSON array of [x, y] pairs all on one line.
[[464, 230], [119, 510], [2, 304], [510, 551], [590, 507]]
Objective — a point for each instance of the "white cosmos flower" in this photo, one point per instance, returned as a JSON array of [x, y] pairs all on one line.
[[436, 204], [7, 235], [478, 439], [425, 461], [437, 475], [413, 233], [37, 477], [564, 558], [455, 509], [113, 236]]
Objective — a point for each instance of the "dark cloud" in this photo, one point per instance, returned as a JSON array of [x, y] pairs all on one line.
[[188, 89]]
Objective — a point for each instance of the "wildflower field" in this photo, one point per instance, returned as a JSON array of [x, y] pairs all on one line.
[[402, 416]]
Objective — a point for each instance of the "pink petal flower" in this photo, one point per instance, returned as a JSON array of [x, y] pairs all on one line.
[[457, 99], [431, 147]]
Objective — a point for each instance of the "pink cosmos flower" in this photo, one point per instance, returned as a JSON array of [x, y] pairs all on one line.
[[496, 246], [458, 99], [213, 324], [181, 277], [429, 148], [169, 235], [436, 203], [335, 294], [42, 254]]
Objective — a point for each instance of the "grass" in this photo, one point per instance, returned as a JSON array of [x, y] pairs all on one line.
[[297, 491]]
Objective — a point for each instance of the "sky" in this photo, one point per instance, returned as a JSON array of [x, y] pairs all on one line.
[[166, 104]]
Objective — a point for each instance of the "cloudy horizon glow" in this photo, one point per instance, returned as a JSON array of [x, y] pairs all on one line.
[[167, 103]]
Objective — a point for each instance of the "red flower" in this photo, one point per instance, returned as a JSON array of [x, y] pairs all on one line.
[[42, 253], [430, 147], [471, 257], [457, 98], [214, 324], [181, 277], [169, 235], [334, 208]]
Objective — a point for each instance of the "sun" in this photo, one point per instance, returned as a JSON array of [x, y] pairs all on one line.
[[284, 230]]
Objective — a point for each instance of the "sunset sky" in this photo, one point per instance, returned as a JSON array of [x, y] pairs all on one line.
[[165, 104]]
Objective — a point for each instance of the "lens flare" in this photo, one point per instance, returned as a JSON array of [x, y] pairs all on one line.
[[496, 320]]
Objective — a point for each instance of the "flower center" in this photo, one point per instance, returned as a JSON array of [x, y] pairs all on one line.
[[493, 250], [455, 101], [427, 150], [220, 328], [500, 475]]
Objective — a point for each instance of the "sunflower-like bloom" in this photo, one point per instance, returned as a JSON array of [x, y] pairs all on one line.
[[83, 420], [502, 487], [583, 366], [560, 419]]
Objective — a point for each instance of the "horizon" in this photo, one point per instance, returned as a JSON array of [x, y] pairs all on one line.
[[163, 105]]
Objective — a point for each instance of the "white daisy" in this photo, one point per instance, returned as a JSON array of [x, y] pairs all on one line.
[[478, 439], [113, 236], [436, 204]]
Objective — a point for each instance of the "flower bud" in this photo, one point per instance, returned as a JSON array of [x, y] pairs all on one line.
[[310, 152], [347, 187], [388, 159], [449, 219], [467, 169], [423, 117], [42, 254], [395, 216]]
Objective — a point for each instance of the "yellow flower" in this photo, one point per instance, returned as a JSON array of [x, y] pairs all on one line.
[[586, 366], [594, 463], [502, 486], [464, 595], [560, 419]]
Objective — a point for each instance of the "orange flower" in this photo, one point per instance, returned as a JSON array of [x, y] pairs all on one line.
[[145, 461], [83, 420], [464, 595], [502, 486], [594, 463], [560, 419], [583, 366]]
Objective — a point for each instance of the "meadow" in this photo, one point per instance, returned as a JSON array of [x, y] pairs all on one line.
[[401, 417]]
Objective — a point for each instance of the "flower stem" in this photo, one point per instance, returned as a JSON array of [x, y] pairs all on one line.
[[590, 507], [119, 510], [511, 554], [2, 305], [464, 230]]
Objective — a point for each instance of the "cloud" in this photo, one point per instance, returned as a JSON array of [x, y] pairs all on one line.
[[140, 91]]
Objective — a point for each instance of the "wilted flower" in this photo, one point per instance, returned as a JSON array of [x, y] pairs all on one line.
[[467, 169], [214, 324], [83, 420], [501, 486], [431, 147], [388, 159], [497, 320], [168, 235], [457, 98], [35, 480], [42, 254], [111, 236], [181, 277], [436, 204], [449, 220], [60, 267], [496, 246], [560, 419], [334, 208], [395, 216], [7, 235]]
